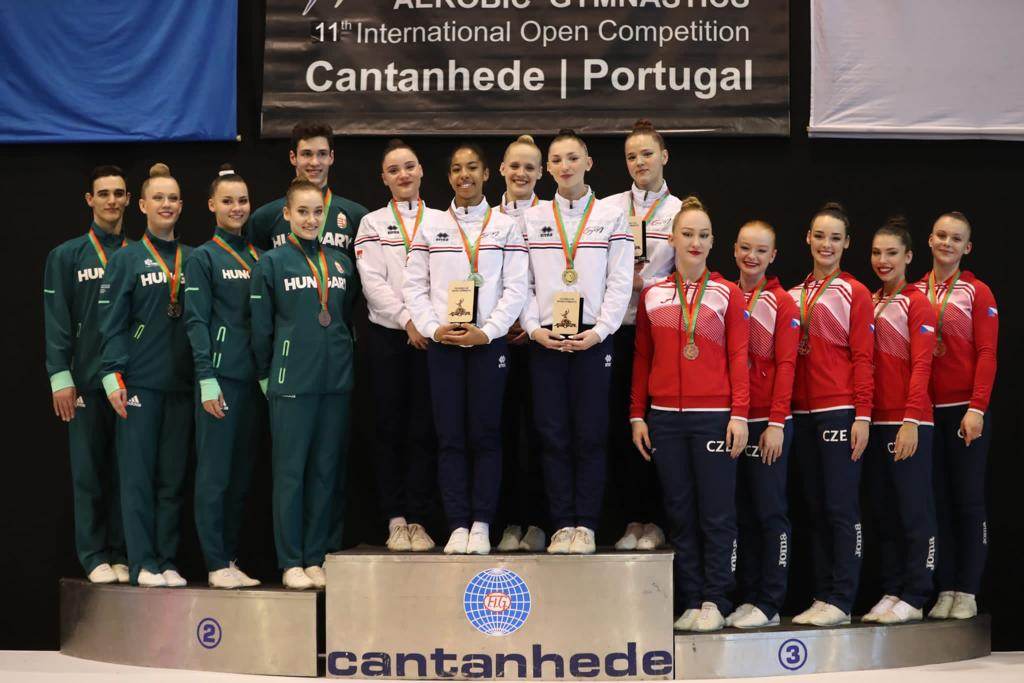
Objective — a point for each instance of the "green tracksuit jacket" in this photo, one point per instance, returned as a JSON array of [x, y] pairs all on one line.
[[293, 352], [217, 315], [268, 229]]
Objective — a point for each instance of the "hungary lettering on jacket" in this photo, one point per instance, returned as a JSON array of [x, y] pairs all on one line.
[[309, 282], [90, 274]]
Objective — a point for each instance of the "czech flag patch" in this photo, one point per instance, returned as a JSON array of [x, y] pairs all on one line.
[[794, 323], [992, 311], [927, 329]]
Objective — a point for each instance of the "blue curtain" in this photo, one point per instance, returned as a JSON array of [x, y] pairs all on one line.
[[117, 70]]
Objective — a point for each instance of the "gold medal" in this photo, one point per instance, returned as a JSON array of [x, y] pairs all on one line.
[[569, 276], [940, 349], [690, 351], [804, 347]]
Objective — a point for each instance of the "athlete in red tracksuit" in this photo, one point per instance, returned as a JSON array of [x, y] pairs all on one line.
[[832, 397], [898, 464], [761, 506], [690, 382], [963, 371]]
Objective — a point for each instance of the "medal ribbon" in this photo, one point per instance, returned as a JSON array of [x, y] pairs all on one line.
[[406, 238], [472, 250], [756, 294], [567, 248], [328, 198], [807, 307], [885, 302], [227, 247], [98, 248], [322, 290], [651, 211], [174, 279], [940, 310], [691, 310]]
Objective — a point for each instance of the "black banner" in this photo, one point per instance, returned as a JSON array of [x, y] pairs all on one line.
[[503, 67]]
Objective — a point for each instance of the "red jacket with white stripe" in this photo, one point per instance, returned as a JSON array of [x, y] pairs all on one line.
[[717, 379], [774, 334], [837, 373], [970, 330], [904, 342]]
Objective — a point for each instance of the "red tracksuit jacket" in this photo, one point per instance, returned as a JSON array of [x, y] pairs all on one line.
[[774, 333], [904, 342]]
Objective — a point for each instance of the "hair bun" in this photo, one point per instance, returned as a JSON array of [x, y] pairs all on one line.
[[526, 140], [833, 206], [225, 169], [159, 170], [568, 132], [692, 203], [898, 221], [643, 125]]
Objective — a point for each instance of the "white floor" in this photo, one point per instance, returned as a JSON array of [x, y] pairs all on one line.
[[40, 667]]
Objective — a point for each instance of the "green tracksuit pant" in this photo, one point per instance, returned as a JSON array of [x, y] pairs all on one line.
[[225, 454], [152, 448], [99, 535], [310, 443]]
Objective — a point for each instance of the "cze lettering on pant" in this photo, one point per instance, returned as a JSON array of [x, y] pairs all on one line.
[[537, 665], [891, 446], [753, 451], [715, 446], [835, 435]]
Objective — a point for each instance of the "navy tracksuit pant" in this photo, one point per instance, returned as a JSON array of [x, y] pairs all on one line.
[[764, 529], [635, 494], [699, 489], [903, 507], [831, 487], [522, 484], [570, 408], [959, 478], [466, 388], [404, 454]]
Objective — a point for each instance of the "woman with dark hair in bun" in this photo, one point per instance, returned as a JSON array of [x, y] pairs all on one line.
[[581, 258], [832, 399], [898, 462], [404, 457], [650, 208], [147, 378], [217, 320]]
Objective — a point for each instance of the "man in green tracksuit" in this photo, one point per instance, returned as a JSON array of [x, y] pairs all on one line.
[[312, 155], [302, 296], [71, 285], [147, 366]]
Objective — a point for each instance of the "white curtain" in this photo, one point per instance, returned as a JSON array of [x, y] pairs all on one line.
[[917, 69]]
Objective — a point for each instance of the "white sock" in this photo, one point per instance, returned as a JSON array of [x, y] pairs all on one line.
[[395, 522], [481, 528]]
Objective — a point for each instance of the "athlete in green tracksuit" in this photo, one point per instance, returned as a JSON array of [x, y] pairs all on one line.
[[217, 320], [302, 295], [312, 155], [71, 285], [147, 377]]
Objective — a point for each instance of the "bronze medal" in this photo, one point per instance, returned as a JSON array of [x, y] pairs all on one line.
[[690, 351], [804, 347], [324, 317], [174, 310], [569, 276], [940, 349]]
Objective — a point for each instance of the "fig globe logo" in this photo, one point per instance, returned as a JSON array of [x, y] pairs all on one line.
[[497, 602]]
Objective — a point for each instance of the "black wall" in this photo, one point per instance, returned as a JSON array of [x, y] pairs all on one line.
[[782, 180]]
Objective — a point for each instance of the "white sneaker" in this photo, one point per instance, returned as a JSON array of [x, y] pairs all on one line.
[[479, 543], [652, 539], [148, 579], [755, 618], [399, 540], [830, 615], [533, 540], [174, 579], [561, 541], [247, 581], [457, 542], [296, 579], [804, 617], [634, 530], [103, 573], [582, 541], [880, 608], [685, 622], [738, 612], [317, 576], [709, 619], [965, 606], [419, 539], [225, 578], [122, 573], [510, 539], [900, 613], [942, 606]]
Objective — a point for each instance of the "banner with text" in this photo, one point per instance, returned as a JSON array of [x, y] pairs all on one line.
[[502, 67]]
